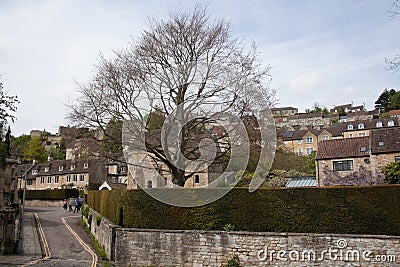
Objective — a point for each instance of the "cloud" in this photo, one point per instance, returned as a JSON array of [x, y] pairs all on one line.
[[306, 82]]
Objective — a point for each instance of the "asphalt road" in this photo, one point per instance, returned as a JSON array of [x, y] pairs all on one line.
[[63, 239]]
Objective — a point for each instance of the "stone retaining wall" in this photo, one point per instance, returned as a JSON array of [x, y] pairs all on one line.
[[43, 203], [146, 247]]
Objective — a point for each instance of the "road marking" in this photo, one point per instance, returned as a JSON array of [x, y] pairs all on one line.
[[86, 246], [43, 240]]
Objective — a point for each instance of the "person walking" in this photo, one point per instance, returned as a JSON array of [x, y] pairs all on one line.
[[65, 204]]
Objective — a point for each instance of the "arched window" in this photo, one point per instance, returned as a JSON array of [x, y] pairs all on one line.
[[390, 123], [350, 127], [379, 124], [149, 184], [361, 126]]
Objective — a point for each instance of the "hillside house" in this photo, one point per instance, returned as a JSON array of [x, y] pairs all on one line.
[[359, 160]]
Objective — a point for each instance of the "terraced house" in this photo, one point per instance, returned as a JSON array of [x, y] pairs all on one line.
[[57, 174], [359, 160]]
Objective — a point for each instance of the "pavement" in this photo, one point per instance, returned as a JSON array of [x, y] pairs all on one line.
[[31, 250]]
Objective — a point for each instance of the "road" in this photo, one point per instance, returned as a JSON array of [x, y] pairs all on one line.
[[64, 242]]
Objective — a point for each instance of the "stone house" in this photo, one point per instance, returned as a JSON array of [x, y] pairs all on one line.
[[358, 160], [305, 141], [58, 174], [284, 111], [361, 128]]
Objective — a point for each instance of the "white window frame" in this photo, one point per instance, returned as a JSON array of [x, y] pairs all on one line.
[[379, 124], [361, 126], [390, 123], [309, 140], [350, 127]]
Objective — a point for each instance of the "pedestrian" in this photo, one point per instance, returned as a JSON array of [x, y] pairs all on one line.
[[77, 205], [70, 203], [65, 204]]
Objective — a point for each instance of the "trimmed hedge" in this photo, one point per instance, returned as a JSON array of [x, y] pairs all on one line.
[[341, 210], [54, 194]]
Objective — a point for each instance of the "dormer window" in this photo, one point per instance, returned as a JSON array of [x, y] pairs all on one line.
[[361, 126], [61, 168], [72, 166], [34, 172], [379, 124], [46, 169], [381, 144], [350, 127], [85, 165], [390, 123]]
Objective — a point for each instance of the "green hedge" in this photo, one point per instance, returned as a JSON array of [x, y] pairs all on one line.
[[55, 194], [352, 210]]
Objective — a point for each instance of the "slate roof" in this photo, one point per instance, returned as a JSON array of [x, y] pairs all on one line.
[[390, 138], [369, 124], [343, 148]]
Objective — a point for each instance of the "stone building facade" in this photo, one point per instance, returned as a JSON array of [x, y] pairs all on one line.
[[58, 174], [359, 160]]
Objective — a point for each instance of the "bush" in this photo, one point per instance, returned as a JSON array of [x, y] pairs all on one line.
[[341, 210], [98, 220], [53, 194], [392, 173]]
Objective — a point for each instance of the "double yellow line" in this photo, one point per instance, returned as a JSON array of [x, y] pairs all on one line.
[[46, 248], [43, 240], [85, 246]]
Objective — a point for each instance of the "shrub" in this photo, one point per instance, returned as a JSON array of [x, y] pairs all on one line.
[[98, 220], [340, 210]]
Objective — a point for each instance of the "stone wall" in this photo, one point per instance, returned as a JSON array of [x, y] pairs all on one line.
[[146, 247], [43, 203], [8, 231]]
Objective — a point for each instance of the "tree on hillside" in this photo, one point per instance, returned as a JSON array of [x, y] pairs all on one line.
[[19, 144], [384, 101], [35, 150], [188, 64], [392, 173], [56, 153], [8, 105]]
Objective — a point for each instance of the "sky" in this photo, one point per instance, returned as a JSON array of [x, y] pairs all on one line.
[[329, 52]]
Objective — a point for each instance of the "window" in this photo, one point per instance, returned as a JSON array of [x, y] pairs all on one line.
[[123, 168], [61, 168], [363, 149], [74, 177], [300, 153], [196, 179], [379, 124], [361, 134], [397, 158], [309, 140], [390, 123], [350, 127], [49, 179], [299, 142], [344, 165], [34, 172], [381, 144], [149, 184], [309, 150], [42, 179], [68, 178], [325, 137], [361, 126], [85, 165], [46, 169], [28, 182], [81, 177], [350, 135], [72, 166], [56, 179]]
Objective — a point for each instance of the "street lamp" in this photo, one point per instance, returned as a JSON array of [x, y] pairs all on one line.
[[23, 205]]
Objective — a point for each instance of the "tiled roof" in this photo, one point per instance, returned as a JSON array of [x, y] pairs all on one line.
[[369, 124], [385, 140], [394, 112], [343, 148]]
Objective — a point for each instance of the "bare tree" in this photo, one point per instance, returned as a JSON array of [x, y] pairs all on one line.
[[186, 67], [393, 64]]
